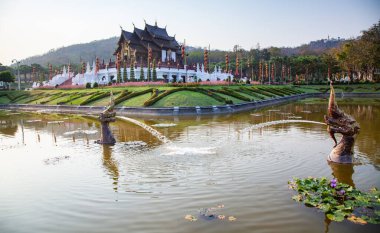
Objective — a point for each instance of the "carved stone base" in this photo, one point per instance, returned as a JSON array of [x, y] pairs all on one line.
[[106, 134], [343, 152], [336, 158]]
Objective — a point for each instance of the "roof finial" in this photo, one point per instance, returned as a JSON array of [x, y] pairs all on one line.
[[144, 21], [121, 27], [165, 26], [155, 22], [133, 24]]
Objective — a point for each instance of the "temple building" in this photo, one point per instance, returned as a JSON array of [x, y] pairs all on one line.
[[134, 50], [136, 45]]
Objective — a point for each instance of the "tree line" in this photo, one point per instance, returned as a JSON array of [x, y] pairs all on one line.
[[354, 60]]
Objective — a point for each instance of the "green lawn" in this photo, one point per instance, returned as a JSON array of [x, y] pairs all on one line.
[[4, 100], [180, 98], [186, 98]]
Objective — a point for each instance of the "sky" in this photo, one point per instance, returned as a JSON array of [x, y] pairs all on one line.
[[33, 27]]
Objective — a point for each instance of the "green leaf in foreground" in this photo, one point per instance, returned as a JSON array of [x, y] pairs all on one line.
[[338, 200]]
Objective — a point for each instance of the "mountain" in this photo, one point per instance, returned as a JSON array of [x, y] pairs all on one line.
[[313, 48], [103, 49]]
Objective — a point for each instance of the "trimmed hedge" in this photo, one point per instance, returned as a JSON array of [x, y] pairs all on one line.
[[251, 93], [214, 96], [71, 98], [208, 92], [272, 91], [56, 96], [14, 95], [151, 101], [94, 97], [122, 94], [261, 92], [155, 93], [131, 95], [232, 93], [36, 97]]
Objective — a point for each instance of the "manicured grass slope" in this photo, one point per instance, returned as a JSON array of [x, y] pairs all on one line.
[[186, 98], [168, 96]]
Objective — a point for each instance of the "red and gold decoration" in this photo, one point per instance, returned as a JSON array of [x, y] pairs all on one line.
[[50, 71], [33, 73], [237, 66], [83, 67], [97, 65], [260, 70], [205, 59], [227, 63]]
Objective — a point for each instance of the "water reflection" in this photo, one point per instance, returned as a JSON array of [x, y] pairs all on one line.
[[210, 160], [111, 165], [8, 127], [343, 172]]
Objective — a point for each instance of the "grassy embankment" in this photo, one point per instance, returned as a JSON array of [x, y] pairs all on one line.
[[168, 96]]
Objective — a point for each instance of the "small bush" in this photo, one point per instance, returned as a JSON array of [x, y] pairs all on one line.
[[88, 85], [96, 85]]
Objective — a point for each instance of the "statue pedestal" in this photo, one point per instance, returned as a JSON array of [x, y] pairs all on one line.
[[343, 152], [106, 134]]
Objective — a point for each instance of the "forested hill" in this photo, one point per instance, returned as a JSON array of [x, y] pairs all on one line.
[[104, 49]]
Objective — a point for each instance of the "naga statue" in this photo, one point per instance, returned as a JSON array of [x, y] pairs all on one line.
[[107, 116], [339, 122]]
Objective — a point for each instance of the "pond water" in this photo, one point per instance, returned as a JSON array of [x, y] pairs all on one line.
[[54, 178]]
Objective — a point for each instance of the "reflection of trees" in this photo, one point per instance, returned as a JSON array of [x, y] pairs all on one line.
[[125, 131], [8, 127], [111, 165]]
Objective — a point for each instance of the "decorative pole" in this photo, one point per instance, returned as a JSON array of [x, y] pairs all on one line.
[[260, 72], [97, 65], [50, 71], [227, 63], [273, 78], [237, 65], [205, 59]]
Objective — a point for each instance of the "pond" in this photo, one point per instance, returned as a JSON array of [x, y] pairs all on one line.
[[54, 178]]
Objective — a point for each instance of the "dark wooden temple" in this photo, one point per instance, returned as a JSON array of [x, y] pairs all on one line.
[[135, 46]]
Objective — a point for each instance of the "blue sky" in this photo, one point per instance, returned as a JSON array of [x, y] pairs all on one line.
[[34, 27]]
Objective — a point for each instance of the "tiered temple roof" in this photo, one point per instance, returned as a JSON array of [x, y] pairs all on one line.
[[151, 36]]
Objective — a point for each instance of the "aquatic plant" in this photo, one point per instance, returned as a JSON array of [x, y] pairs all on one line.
[[338, 200]]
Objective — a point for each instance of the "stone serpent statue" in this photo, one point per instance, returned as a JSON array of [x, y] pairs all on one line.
[[339, 122], [107, 116]]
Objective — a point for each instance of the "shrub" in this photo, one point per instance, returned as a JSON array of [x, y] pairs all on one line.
[[96, 96], [88, 85], [250, 92], [232, 93], [131, 95], [261, 92], [151, 101], [96, 85]]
